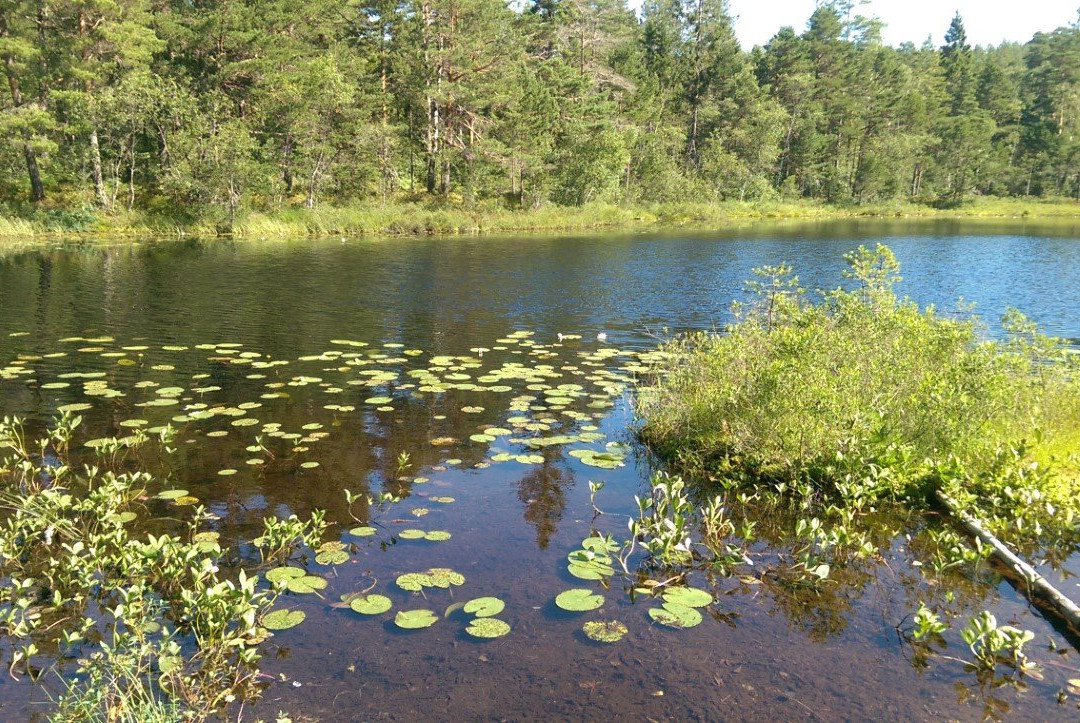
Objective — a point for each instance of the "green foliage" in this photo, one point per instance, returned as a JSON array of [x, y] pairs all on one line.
[[867, 395], [160, 632], [242, 115]]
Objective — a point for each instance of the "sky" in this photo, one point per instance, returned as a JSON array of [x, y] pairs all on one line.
[[988, 22]]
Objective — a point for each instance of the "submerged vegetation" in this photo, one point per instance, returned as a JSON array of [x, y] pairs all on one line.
[[865, 396]]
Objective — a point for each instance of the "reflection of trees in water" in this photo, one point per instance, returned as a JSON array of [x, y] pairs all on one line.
[[543, 493]]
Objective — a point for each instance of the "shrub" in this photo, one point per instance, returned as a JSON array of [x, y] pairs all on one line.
[[865, 393]]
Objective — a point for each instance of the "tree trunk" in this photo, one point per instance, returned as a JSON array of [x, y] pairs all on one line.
[[95, 167], [37, 189]]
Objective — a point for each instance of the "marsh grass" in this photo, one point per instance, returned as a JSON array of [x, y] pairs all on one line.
[[864, 394], [411, 216]]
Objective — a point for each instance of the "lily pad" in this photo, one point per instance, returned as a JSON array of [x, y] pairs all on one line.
[[363, 531], [690, 597], [412, 534], [487, 628], [485, 607], [609, 631], [579, 600], [371, 604], [332, 557], [283, 619], [675, 616], [415, 619]]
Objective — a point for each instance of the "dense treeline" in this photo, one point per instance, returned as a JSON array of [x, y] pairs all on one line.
[[173, 106]]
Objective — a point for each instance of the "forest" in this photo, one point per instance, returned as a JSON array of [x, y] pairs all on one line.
[[184, 108]]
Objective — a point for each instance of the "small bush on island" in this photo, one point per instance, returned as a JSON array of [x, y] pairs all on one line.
[[867, 395]]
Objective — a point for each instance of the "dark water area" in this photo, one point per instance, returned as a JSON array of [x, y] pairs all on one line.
[[763, 652]]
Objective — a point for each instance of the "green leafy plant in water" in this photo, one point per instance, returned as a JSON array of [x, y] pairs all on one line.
[[370, 604], [990, 642], [676, 616], [415, 619], [579, 600], [484, 607], [159, 627], [611, 631], [927, 624], [487, 628]]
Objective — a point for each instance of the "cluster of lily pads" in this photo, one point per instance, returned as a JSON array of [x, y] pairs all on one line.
[[595, 561], [555, 393]]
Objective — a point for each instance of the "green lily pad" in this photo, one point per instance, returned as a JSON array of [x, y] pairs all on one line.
[[412, 534], [172, 494], [306, 584], [611, 631], [579, 600], [487, 628], [675, 616], [412, 581], [283, 619], [363, 531], [281, 574], [415, 619], [371, 604], [437, 535], [690, 597], [332, 557], [485, 607]]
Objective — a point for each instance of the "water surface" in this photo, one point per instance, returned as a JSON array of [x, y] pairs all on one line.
[[762, 653]]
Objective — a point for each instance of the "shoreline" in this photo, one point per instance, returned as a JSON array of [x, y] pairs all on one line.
[[417, 219]]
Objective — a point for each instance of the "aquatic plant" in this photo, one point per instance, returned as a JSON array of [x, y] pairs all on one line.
[[865, 396], [155, 625]]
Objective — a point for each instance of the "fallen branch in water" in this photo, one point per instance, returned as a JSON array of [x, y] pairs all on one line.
[[1036, 582]]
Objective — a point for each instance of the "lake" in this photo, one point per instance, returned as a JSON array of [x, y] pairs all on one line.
[[358, 351]]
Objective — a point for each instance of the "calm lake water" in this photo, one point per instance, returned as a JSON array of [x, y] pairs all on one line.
[[763, 652]]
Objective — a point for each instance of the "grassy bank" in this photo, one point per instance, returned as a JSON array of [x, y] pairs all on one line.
[[865, 396], [425, 218]]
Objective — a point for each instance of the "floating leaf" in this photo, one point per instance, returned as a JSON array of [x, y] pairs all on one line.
[[487, 628], [690, 597], [363, 531], [437, 535], [371, 604], [415, 619], [281, 574], [411, 534], [283, 619], [675, 616], [485, 607], [332, 557], [172, 494], [611, 631], [579, 600]]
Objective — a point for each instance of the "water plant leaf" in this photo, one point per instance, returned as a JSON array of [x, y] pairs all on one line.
[[485, 607], [690, 597], [675, 616], [332, 557], [487, 628], [610, 631], [579, 600], [415, 619], [437, 535], [281, 574], [412, 534], [371, 604], [363, 531], [283, 619], [306, 584]]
